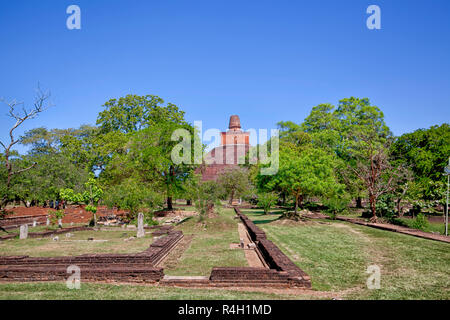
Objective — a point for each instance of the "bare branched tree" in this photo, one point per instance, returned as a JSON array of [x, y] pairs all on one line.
[[20, 114], [374, 169]]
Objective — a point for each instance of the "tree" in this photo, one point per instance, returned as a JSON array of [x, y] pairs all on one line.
[[133, 195], [338, 131], [371, 164], [147, 124], [206, 195], [91, 196], [40, 104], [267, 200], [133, 113], [235, 182], [305, 172], [425, 152], [52, 172]]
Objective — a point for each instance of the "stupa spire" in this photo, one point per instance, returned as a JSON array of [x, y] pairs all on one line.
[[235, 123]]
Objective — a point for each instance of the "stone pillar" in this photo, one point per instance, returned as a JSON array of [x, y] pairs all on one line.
[[48, 221], [140, 229], [23, 231], [34, 223], [60, 223]]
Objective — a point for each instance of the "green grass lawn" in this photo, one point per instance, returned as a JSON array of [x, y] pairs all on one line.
[[431, 227], [99, 291], [210, 246], [336, 255]]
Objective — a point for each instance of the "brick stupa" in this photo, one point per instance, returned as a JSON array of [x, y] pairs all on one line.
[[233, 147]]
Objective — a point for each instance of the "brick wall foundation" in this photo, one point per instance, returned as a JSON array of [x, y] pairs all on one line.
[[140, 267], [281, 266]]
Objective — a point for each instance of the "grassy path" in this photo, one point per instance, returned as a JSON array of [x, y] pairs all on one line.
[[209, 247]]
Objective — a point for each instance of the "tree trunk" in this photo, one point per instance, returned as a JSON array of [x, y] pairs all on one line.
[[188, 202], [169, 203], [359, 202], [231, 197], [373, 208], [399, 208], [296, 205]]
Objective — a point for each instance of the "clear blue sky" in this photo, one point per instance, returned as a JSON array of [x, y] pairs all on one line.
[[264, 60]]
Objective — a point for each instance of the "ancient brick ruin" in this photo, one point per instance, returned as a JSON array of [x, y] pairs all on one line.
[[140, 267], [143, 266], [282, 272]]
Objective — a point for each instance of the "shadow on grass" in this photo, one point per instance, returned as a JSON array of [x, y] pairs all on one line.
[[262, 213], [264, 221]]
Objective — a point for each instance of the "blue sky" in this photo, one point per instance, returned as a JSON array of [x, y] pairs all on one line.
[[264, 60]]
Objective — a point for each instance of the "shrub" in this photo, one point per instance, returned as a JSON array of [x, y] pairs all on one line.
[[56, 215], [336, 205], [420, 222], [386, 206], [267, 200]]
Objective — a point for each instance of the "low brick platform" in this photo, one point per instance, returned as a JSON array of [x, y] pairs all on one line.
[[140, 267], [162, 247], [143, 266], [248, 276], [117, 273], [12, 222]]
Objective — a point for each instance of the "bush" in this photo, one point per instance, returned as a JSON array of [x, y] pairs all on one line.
[[420, 222], [267, 200], [336, 205], [386, 206], [56, 215]]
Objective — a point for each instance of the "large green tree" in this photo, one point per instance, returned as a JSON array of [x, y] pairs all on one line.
[[303, 172], [144, 126], [426, 152], [354, 131]]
